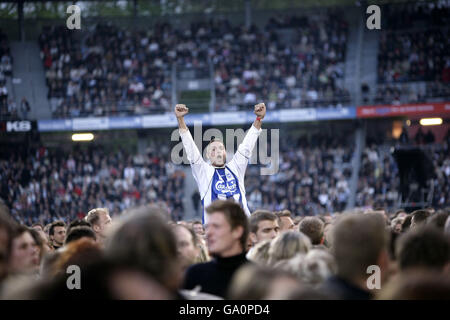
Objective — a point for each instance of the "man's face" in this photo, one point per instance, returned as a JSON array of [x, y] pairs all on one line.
[[267, 230], [24, 255], [286, 224], [102, 225], [217, 154], [219, 235], [186, 247], [198, 229], [59, 234]]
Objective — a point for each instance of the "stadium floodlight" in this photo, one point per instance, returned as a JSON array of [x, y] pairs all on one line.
[[82, 137], [430, 121]]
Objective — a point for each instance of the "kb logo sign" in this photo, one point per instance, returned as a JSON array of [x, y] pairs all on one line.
[[18, 126]]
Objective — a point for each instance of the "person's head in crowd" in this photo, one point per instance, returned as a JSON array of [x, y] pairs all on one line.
[[100, 279], [419, 217], [216, 152], [360, 241], [144, 239], [381, 211], [260, 252], [57, 234], [327, 234], [285, 220], [198, 228], [297, 221], [7, 226], [423, 248], [82, 252], [263, 226], [288, 244], [317, 266], [47, 230], [311, 269], [447, 227], [39, 246], [78, 223], [187, 244], [48, 264], [44, 237], [24, 256], [37, 226], [416, 285], [313, 228], [227, 229], [100, 222], [256, 282], [400, 213], [75, 233], [406, 225], [396, 224], [438, 220]]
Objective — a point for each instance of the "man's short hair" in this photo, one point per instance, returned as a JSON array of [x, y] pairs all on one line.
[[258, 216], [313, 228], [93, 216], [196, 222], [191, 232], [37, 224], [406, 223], [78, 223], [423, 247], [283, 213], [438, 220], [358, 241], [235, 216], [79, 232], [420, 216], [58, 223], [144, 239]]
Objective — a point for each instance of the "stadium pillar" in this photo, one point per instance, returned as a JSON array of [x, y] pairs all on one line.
[[174, 84], [360, 141], [248, 13], [20, 16], [212, 101], [135, 9]]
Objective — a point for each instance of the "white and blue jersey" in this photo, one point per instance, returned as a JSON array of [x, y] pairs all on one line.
[[221, 183]]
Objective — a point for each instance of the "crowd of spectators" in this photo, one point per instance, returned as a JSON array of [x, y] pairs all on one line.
[[8, 107], [44, 185], [313, 176], [113, 71], [142, 254], [109, 71], [379, 181], [299, 71], [396, 94], [414, 45]]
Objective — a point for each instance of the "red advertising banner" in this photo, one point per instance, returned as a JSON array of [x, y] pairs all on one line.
[[418, 109]]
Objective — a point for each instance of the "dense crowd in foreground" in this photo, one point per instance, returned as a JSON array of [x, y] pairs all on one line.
[[142, 254]]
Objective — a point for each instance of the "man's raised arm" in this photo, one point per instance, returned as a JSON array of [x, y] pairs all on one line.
[[193, 154], [244, 151]]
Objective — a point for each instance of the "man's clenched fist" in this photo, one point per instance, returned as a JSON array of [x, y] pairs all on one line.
[[181, 110], [260, 110]]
